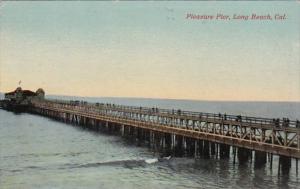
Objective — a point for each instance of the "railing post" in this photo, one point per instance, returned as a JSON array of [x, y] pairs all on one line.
[[298, 138], [273, 133]]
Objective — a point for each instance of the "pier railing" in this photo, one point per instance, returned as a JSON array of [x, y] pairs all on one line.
[[278, 123], [276, 136]]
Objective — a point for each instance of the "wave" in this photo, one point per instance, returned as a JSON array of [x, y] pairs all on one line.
[[129, 163], [154, 160], [124, 163], [150, 161]]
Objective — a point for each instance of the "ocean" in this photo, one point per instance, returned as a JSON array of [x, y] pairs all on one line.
[[38, 152]]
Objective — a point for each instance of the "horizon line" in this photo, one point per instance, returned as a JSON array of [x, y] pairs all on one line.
[[161, 98]]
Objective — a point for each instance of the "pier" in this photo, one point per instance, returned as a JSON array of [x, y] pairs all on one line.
[[261, 134], [178, 132]]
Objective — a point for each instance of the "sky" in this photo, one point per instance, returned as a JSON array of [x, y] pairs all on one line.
[[149, 49]]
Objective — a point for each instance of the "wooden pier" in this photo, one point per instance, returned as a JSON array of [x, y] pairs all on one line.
[[194, 133], [262, 134]]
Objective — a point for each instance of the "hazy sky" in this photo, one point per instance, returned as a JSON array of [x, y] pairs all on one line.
[[149, 49]]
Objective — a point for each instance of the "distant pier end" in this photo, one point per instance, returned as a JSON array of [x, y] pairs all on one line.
[[20, 100]]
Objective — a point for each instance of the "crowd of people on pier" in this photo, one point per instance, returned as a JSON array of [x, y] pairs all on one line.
[[278, 123]]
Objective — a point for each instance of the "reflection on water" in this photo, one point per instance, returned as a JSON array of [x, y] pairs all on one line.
[[36, 152]]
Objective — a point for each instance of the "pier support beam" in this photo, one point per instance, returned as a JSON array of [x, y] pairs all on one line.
[[224, 151], [284, 165], [178, 146], [260, 159], [243, 155]]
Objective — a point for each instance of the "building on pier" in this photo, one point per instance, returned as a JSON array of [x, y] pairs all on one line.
[[24, 96], [19, 98]]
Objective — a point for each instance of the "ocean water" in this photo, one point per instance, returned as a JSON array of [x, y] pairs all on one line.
[[37, 152]]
